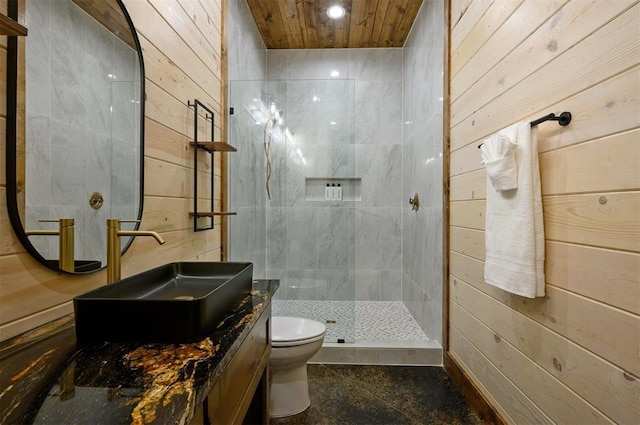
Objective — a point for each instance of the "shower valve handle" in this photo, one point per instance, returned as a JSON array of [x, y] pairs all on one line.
[[414, 202]]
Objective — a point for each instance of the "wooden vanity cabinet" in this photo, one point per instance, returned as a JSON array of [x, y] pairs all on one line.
[[241, 395]]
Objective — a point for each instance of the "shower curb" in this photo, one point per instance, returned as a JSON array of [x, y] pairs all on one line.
[[405, 353]]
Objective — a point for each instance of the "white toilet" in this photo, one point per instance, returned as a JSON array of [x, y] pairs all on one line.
[[294, 341]]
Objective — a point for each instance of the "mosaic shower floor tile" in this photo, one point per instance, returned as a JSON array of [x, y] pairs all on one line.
[[356, 321]]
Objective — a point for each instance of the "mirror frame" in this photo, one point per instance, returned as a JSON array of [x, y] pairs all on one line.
[[11, 167]]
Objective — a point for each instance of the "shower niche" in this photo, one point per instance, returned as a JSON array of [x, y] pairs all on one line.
[[315, 189]]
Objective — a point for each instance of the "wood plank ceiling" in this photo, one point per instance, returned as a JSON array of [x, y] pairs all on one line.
[[304, 24]]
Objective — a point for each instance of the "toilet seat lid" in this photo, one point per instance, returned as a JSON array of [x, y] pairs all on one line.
[[287, 329]]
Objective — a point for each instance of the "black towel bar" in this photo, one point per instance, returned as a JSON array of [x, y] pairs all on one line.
[[563, 119]]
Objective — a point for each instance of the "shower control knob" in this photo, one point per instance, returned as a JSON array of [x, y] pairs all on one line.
[[414, 202]]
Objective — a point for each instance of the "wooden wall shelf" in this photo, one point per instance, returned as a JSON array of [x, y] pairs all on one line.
[[210, 214], [10, 27], [210, 147], [215, 146]]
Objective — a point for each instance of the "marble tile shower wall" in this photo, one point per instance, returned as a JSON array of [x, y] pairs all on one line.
[[247, 55], [81, 132], [310, 244], [349, 249], [423, 135]]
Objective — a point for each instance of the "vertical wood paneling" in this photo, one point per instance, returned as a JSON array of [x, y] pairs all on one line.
[[582, 338], [182, 49]]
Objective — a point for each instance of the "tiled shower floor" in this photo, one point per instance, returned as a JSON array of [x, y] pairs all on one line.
[[374, 320], [384, 332]]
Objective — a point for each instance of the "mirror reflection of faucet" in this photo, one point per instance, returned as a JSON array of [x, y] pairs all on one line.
[[66, 240], [113, 245]]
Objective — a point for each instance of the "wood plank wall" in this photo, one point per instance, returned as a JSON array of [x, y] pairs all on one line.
[[182, 47], [572, 356]]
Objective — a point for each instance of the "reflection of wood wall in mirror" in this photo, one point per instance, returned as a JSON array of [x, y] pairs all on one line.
[[20, 113], [110, 16]]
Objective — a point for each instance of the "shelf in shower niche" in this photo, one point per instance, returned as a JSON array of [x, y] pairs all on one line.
[[315, 188], [215, 146], [210, 214]]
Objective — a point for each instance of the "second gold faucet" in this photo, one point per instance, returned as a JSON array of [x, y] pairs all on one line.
[[113, 245], [66, 241]]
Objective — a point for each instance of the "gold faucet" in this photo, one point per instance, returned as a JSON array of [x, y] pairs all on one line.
[[65, 242], [113, 244]]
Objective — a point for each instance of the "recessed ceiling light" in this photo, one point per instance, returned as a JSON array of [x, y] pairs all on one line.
[[335, 73], [336, 11]]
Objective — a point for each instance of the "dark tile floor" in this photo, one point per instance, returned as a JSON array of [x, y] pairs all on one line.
[[389, 395]]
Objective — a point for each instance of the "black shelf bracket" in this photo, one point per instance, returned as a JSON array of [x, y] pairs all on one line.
[[196, 105]]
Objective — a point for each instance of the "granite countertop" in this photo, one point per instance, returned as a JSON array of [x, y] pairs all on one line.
[[46, 379]]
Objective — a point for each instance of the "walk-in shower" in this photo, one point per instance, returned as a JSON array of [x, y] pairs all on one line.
[[337, 252], [371, 120], [296, 144]]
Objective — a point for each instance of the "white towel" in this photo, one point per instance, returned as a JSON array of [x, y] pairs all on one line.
[[514, 230], [499, 158]]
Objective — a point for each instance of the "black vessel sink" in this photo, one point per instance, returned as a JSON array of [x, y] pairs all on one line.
[[177, 302]]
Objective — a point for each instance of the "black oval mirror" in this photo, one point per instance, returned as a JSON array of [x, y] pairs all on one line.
[[75, 129]]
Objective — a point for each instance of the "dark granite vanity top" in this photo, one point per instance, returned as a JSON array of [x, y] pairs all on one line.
[[46, 379]]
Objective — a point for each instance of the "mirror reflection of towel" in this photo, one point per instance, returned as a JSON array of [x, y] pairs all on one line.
[[514, 228], [499, 158]]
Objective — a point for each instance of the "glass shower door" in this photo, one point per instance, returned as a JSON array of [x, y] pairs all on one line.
[[295, 142]]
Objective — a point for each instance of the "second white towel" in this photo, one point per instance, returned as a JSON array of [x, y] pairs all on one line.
[[499, 158], [514, 230]]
